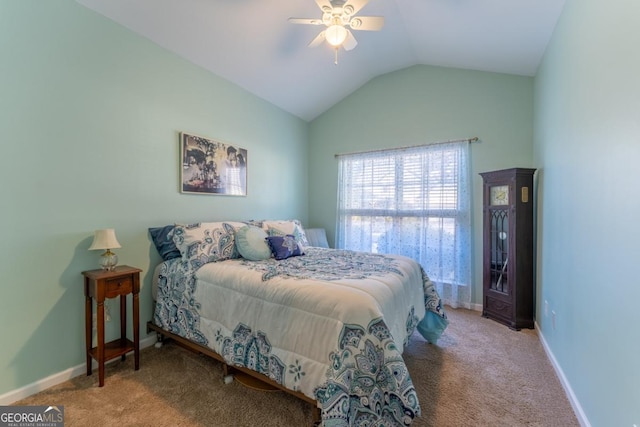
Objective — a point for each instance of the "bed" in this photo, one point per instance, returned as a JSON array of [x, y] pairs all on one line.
[[326, 325]]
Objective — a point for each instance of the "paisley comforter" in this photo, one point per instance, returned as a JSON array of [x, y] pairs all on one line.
[[331, 324]]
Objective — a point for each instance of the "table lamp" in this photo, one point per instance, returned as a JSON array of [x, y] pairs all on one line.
[[106, 239]]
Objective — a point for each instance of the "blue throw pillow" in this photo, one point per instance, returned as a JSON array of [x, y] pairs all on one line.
[[251, 243], [163, 240], [283, 247]]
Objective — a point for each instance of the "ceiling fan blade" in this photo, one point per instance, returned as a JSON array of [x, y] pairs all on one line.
[[325, 5], [308, 21], [354, 6], [367, 23], [318, 40], [350, 42]]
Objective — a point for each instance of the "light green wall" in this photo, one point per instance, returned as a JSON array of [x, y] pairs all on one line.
[[418, 105], [89, 118], [587, 145]]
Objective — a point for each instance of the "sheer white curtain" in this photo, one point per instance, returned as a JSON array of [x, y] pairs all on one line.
[[414, 202]]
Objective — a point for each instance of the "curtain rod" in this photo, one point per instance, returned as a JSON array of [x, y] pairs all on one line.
[[473, 139]]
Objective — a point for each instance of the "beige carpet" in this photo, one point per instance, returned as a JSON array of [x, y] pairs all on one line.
[[480, 374]]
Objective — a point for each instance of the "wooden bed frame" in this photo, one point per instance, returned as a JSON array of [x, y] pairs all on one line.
[[230, 370]]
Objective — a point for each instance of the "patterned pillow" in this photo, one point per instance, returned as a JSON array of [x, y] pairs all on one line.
[[282, 228], [163, 240], [254, 222], [251, 243], [206, 242], [283, 247]]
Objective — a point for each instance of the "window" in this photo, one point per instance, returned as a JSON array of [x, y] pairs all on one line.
[[412, 202]]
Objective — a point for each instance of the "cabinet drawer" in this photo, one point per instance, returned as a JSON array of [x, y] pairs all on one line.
[[498, 308], [119, 286]]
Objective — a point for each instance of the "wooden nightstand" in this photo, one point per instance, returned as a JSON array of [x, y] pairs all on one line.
[[101, 284]]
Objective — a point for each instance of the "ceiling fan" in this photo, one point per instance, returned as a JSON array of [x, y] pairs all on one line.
[[337, 15]]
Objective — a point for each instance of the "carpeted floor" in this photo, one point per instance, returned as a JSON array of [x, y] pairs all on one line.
[[480, 374]]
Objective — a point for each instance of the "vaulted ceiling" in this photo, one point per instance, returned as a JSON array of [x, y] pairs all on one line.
[[251, 43]]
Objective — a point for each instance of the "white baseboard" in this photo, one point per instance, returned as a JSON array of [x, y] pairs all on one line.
[[60, 377], [468, 306], [575, 404], [476, 307]]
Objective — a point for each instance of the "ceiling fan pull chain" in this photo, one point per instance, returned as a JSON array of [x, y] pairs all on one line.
[[335, 61]]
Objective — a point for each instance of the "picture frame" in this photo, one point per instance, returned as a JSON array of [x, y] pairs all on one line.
[[208, 166]]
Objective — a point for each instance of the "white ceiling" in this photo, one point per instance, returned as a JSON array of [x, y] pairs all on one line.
[[251, 43]]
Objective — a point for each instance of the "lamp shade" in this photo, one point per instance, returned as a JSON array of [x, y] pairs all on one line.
[[104, 239]]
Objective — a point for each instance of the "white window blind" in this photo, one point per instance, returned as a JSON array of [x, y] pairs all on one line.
[[412, 202]]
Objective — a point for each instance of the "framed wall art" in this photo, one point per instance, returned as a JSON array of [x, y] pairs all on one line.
[[212, 167]]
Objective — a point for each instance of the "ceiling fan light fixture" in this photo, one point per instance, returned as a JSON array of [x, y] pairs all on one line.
[[335, 35]]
